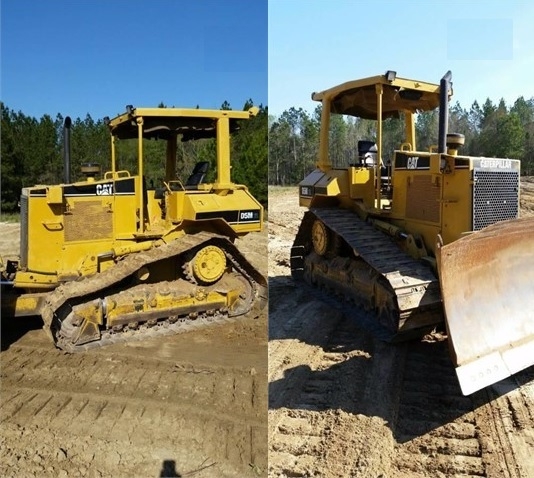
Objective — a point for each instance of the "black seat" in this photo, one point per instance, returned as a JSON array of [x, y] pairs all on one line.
[[198, 174], [367, 153]]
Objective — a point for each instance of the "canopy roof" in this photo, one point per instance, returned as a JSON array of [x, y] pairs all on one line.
[[162, 123], [359, 97]]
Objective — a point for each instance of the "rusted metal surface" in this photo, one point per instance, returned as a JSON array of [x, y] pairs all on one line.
[[487, 283]]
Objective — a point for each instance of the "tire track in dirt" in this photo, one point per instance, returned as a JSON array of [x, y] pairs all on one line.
[[505, 416], [193, 404], [348, 405], [122, 410], [166, 382], [440, 432], [315, 407], [399, 412], [436, 429]]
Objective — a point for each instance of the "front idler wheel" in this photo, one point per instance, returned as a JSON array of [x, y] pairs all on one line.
[[320, 237]]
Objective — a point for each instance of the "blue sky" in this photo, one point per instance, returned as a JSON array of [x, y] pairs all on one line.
[[79, 57], [314, 45]]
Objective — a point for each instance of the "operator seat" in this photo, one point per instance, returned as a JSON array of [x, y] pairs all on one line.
[[198, 174], [367, 153]]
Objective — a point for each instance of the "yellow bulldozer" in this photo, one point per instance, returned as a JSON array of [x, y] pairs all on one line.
[[109, 259], [409, 238]]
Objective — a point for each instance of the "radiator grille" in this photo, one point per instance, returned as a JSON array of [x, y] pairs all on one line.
[[24, 231], [495, 197]]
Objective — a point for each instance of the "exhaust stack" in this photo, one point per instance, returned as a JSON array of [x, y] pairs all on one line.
[[444, 86], [66, 149]]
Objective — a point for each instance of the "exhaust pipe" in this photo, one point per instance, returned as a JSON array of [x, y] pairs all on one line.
[[444, 86], [66, 149]]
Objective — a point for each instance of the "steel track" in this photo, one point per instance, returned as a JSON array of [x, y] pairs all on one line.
[[399, 293], [59, 303]]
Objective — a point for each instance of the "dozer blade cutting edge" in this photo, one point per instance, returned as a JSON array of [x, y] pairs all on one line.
[[487, 283]]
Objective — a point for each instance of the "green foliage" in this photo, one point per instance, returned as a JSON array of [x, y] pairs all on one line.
[[503, 137], [293, 145], [250, 154], [11, 181], [13, 217], [32, 153], [491, 130]]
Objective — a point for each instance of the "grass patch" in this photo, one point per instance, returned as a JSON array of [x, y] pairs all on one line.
[[282, 189], [9, 217]]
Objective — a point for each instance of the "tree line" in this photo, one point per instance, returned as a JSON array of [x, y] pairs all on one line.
[[32, 153], [490, 130]]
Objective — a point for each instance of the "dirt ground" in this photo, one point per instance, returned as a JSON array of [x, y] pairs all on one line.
[[340, 402], [343, 404], [193, 404]]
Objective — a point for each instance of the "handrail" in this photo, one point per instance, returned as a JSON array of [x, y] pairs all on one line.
[[116, 174]]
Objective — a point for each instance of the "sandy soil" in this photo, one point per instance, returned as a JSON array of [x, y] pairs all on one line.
[[343, 404], [193, 404], [340, 402]]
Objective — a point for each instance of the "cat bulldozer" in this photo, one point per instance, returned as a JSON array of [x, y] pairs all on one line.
[[409, 238], [109, 259]]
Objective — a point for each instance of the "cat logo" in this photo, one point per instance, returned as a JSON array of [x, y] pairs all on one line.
[[412, 162], [104, 189]]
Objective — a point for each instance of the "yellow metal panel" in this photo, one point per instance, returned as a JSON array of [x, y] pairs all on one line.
[[233, 207], [327, 185], [335, 182], [457, 204], [44, 242], [417, 193], [23, 305], [35, 280], [175, 201], [362, 185], [203, 203], [124, 216], [436, 163], [54, 195], [245, 228]]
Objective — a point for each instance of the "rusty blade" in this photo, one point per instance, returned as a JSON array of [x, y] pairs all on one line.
[[487, 284]]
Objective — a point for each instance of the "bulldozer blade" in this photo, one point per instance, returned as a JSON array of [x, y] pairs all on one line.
[[487, 284]]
